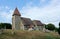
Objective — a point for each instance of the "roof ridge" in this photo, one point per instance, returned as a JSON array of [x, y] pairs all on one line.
[[16, 12]]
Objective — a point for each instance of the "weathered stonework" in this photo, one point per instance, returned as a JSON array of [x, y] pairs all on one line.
[[21, 23]]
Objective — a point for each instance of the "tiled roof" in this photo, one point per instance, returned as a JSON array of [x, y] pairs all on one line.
[[16, 12], [26, 21], [39, 23]]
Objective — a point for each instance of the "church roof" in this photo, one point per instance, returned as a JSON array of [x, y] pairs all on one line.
[[16, 12], [26, 21], [39, 23]]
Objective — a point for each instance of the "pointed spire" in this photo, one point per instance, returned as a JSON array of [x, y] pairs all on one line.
[[16, 12]]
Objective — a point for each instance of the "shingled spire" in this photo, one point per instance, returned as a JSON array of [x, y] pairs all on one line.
[[16, 12]]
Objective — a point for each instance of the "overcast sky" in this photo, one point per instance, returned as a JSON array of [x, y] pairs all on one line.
[[47, 11]]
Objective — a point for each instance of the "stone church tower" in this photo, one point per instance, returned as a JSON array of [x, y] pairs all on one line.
[[16, 21]]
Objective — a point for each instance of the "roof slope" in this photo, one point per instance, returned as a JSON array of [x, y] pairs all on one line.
[[16, 12], [39, 23], [26, 21]]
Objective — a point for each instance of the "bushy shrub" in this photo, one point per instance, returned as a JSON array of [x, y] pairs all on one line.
[[50, 27]]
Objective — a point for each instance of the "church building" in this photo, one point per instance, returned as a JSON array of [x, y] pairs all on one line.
[[22, 23]]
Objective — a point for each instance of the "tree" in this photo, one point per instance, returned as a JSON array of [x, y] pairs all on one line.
[[56, 29], [59, 29], [50, 27], [5, 25], [59, 24], [1, 25]]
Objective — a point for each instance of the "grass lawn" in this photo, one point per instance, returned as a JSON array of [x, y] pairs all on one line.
[[28, 35]]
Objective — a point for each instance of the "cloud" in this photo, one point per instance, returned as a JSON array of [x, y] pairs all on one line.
[[7, 7], [47, 14], [47, 11], [4, 7], [6, 14]]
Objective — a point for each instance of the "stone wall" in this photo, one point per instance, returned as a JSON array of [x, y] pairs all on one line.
[[17, 23]]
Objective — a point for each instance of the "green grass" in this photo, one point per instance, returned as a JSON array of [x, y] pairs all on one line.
[[28, 35]]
